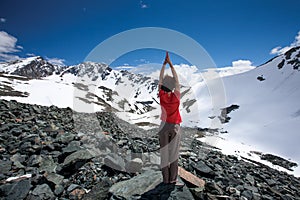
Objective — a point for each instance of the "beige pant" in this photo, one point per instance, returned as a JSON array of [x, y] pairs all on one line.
[[169, 140]]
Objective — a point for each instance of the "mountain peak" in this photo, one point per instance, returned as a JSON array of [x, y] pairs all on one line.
[[291, 57], [34, 67]]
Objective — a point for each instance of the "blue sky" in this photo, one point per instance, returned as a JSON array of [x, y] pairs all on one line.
[[66, 31]]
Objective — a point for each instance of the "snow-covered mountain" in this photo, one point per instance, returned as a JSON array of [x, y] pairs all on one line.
[[267, 109], [87, 87], [261, 106], [32, 67]]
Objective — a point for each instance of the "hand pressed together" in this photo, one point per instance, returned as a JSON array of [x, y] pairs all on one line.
[[167, 59]]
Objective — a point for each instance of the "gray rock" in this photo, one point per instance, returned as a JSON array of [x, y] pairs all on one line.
[[47, 165], [138, 185], [26, 147], [72, 187], [287, 197], [65, 138], [213, 188], [233, 190], [170, 192], [148, 185], [4, 127], [100, 191], [5, 166], [72, 147], [2, 177], [203, 169], [74, 161], [98, 143], [41, 192], [251, 188], [36, 109], [16, 131], [247, 193], [222, 197], [18, 165], [122, 142], [134, 165], [270, 182], [34, 160], [32, 138], [115, 162], [59, 189], [54, 178], [276, 160], [250, 179], [18, 157], [267, 197], [24, 128], [256, 196], [198, 192], [15, 191], [154, 158], [82, 155], [240, 187]]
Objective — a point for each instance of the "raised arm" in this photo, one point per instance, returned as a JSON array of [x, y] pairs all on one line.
[[177, 85], [162, 72], [161, 75]]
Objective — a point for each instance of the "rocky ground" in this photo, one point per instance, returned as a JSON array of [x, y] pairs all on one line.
[[53, 153]]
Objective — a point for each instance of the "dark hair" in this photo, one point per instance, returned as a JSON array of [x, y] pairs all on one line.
[[168, 83], [165, 88]]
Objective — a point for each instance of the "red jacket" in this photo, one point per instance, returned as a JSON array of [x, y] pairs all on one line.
[[170, 107]]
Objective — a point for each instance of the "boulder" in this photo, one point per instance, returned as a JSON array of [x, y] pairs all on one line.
[[15, 191], [47, 164], [148, 185], [203, 169], [115, 162], [56, 179], [100, 191], [74, 161], [135, 165], [136, 186], [41, 192]]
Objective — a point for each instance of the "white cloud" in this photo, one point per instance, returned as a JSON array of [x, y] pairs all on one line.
[[237, 67], [8, 46], [125, 67], [8, 57], [281, 50], [145, 69], [8, 43], [142, 60], [242, 63], [56, 61], [30, 54], [2, 20], [275, 50], [143, 5], [188, 75]]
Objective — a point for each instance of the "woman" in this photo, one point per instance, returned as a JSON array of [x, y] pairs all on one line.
[[169, 131]]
